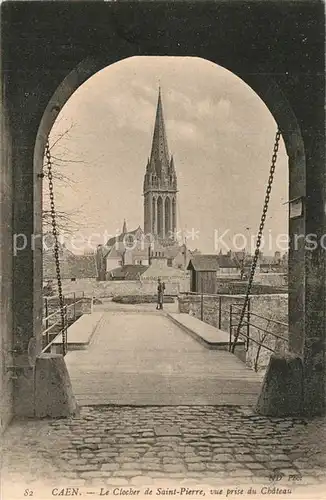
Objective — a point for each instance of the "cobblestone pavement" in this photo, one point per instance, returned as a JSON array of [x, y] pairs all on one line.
[[139, 446]]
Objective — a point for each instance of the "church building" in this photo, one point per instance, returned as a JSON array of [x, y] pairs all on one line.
[[160, 185], [158, 238]]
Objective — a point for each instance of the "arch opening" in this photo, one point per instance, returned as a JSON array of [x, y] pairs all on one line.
[[163, 210]]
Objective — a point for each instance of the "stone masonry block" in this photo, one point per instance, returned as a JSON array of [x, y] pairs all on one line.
[[282, 390], [53, 391]]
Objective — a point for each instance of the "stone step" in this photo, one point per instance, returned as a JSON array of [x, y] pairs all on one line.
[[208, 335], [80, 333]]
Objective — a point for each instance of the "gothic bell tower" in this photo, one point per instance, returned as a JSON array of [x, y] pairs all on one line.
[[160, 185]]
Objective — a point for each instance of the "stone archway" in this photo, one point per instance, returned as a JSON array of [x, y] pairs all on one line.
[[279, 106], [42, 70], [281, 109]]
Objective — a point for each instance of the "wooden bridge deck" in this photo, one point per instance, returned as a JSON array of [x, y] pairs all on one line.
[[146, 359]]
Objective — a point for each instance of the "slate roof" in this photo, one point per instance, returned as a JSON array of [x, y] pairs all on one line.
[[71, 265], [268, 260], [128, 272], [241, 259], [203, 262], [49, 269], [114, 253], [167, 273], [226, 261], [82, 266], [120, 237], [171, 252]]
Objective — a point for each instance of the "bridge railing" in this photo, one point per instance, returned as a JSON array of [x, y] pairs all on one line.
[[261, 334], [262, 340], [202, 296], [52, 321]]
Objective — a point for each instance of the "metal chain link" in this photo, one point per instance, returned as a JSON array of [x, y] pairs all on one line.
[[56, 246], [259, 236]]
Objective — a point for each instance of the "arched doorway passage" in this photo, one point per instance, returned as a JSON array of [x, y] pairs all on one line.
[[280, 108], [278, 105], [276, 50]]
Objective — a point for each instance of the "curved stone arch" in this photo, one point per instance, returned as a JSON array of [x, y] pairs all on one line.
[[278, 78], [262, 84]]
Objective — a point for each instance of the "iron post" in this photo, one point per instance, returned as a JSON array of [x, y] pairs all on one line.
[[230, 328], [248, 324], [220, 312]]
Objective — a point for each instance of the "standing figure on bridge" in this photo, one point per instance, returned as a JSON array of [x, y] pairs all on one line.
[[160, 293]]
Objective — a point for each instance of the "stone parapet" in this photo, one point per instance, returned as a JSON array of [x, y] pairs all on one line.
[[282, 389], [215, 310], [53, 391], [107, 289]]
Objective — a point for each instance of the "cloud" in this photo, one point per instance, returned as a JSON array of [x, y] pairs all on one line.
[[219, 131], [204, 107], [223, 108], [180, 99], [207, 107], [180, 129], [132, 111]]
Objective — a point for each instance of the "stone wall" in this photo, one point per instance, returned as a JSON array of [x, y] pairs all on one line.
[[6, 258], [215, 310], [101, 289], [237, 287], [272, 279]]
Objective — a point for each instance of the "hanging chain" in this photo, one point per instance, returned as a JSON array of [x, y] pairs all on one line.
[[56, 246], [259, 237]]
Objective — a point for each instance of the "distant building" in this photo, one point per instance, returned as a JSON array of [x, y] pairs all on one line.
[[128, 272], [160, 185], [134, 248], [276, 263], [228, 264], [140, 247], [73, 267], [159, 268], [203, 269]]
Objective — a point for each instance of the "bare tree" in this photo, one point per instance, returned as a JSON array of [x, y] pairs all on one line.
[[240, 260], [61, 158]]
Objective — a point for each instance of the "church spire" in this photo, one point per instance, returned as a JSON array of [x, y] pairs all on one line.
[[124, 227], [159, 153], [160, 184]]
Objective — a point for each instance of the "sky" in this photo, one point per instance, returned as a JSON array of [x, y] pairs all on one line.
[[219, 131]]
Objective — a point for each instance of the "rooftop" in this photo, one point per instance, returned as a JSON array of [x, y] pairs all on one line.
[[203, 263]]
